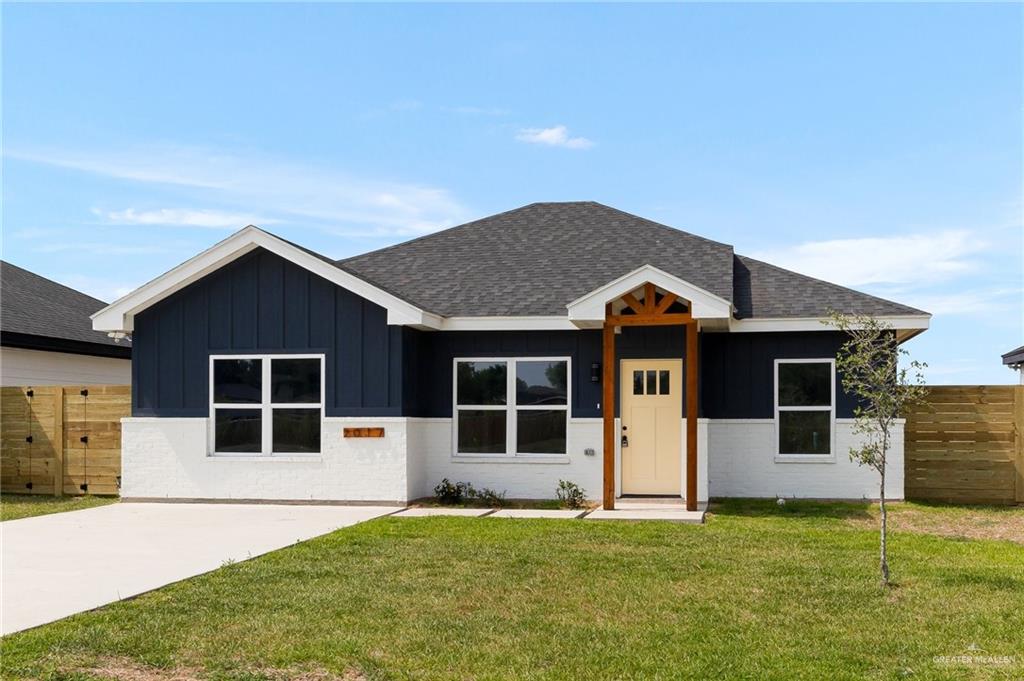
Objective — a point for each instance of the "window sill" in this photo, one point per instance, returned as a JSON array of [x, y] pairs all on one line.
[[505, 458], [805, 458], [279, 458]]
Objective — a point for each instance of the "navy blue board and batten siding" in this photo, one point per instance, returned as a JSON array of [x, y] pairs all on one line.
[[262, 303]]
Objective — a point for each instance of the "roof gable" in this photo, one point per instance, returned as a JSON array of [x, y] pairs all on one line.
[[120, 315]]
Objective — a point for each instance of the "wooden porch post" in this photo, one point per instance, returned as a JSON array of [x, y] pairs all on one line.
[[608, 412], [691, 416]]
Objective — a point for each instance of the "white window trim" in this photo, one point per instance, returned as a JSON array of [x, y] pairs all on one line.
[[806, 458], [266, 406], [510, 407]]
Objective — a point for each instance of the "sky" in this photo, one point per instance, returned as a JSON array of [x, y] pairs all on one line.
[[878, 146]]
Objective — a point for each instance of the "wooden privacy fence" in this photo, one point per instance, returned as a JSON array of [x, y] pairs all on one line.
[[62, 439], [965, 445]]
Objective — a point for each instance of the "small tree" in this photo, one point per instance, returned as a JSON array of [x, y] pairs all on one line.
[[869, 366]]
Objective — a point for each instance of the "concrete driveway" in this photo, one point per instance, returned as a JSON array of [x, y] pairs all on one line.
[[60, 564]]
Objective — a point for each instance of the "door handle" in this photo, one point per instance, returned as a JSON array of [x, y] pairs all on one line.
[[625, 438]]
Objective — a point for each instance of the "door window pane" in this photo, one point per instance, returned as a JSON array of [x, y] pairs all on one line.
[[541, 431], [295, 380], [296, 431], [481, 431], [652, 386], [804, 432], [638, 383], [663, 382], [541, 383], [237, 381], [238, 431], [805, 385], [483, 383]]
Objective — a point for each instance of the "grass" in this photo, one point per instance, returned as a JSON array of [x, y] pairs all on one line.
[[15, 506], [759, 592]]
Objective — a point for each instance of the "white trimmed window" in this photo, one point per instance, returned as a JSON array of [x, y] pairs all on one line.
[[510, 406], [805, 393], [265, 405]]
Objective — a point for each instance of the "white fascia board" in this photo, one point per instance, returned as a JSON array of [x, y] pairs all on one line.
[[538, 323], [120, 315], [763, 324], [703, 304]]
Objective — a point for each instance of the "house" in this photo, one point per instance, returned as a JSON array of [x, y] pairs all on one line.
[[46, 336], [556, 341], [1015, 360]]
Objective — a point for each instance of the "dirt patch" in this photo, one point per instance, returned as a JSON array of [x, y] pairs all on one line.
[[123, 669], [962, 523]]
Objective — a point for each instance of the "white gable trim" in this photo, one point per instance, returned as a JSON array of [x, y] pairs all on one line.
[[120, 315], [704, 305]]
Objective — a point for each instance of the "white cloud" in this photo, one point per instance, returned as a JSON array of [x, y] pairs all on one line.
[[276, 189], [977, 302], [908, 259], [557, 136], [213, 219]]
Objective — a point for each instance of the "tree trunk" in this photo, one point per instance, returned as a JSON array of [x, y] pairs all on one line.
[[883, 548]]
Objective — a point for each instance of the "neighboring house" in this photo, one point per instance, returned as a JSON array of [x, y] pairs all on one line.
[[46, 336], [1015, 360], [500, 352]]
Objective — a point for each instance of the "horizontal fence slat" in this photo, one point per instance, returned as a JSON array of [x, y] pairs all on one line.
[[961, 445]]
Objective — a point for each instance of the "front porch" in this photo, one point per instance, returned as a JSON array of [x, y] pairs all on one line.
[[651, 445]]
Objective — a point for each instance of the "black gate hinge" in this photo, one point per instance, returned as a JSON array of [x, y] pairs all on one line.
[[84, 438], [28, 439]]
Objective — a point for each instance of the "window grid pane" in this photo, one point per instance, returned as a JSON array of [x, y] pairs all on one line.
[[805, 384], [295, 381], [663, 387], [238, 431], [638, 383], [481, 431], [237, 381], [541, 383], [296, 431], [481, 383], [541, 431], [652, 387], [805, 432]]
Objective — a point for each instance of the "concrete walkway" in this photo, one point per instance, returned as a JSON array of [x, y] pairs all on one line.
[[57, 565]]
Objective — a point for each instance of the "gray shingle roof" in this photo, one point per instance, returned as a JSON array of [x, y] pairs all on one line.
[[1014, 356], [36, 306], [535, 259]]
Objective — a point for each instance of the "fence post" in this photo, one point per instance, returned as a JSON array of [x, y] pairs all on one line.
[[1018, 437], [58, 441]]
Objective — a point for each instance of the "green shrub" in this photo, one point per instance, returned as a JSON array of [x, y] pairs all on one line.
[[448, 492], [570, 494]]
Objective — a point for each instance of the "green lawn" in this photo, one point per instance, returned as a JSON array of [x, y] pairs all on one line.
[[14, 506], [759, 592]]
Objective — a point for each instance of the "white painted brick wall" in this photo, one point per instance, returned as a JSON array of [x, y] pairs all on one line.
[[430, 456], [743, 464], [167, 457]]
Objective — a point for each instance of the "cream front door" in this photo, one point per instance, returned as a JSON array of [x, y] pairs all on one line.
[[651, 410]]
